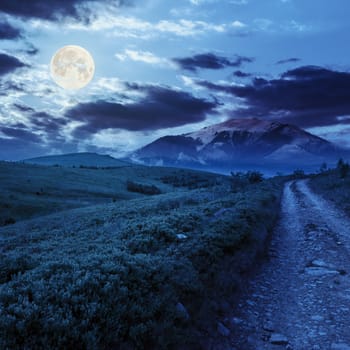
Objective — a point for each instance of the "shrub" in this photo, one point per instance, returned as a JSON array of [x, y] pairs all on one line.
[[239, 179], [9, 221], [343, 168], [191, 181], [255, 177], [141, 188], [298, 174]]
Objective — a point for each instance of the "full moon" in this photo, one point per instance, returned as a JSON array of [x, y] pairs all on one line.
[[72, 67]]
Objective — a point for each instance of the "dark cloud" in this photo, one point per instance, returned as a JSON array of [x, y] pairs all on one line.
[[53, 9], [21, 134], [162, 107], [209, 61], [289, 60], [307, 96], [8, 32], [9, 63], [240, 74], [23, 108], [45, 122]]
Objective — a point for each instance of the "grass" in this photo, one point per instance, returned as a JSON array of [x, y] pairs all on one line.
[[145, 272], [334, 188], [28, 191]]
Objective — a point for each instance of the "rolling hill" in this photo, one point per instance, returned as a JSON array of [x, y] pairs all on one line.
[[78, 159]]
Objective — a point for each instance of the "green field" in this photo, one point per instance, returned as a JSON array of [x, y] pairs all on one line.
[[121, 269]]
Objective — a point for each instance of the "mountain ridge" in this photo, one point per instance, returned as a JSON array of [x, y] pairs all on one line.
[[240, 142]]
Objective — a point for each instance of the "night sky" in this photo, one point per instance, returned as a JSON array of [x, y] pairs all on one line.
[[169, 67]]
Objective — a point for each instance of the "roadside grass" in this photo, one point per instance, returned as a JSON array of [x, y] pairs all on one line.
[[334, 188], [149, 272]]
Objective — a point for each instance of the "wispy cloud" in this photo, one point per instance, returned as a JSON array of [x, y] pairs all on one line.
[[109, 20], [145, 57], [291, 26], [128, 26]]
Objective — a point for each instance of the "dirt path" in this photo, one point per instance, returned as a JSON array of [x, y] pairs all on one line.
[[300, 298]]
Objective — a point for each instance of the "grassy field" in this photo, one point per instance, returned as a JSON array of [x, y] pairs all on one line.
[[28, 191], [333, 187], [140, 272]]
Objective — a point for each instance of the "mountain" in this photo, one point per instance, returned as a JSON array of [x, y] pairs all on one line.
[[241, 143], [78, 159]]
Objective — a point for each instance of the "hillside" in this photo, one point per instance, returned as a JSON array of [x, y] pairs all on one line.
[[138, 273], [78, 159], [28, 190]]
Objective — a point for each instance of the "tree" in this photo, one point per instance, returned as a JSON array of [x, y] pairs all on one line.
[[343, 168]]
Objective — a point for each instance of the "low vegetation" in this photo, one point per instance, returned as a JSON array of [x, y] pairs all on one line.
[[334, 184], [142, 188], [142, 273], [28, 191], [190, 179], [240, 180]]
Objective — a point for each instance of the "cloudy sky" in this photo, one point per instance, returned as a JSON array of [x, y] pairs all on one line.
[[170, 67]]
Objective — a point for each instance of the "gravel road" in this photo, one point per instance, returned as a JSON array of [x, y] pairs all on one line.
[[300, 297]]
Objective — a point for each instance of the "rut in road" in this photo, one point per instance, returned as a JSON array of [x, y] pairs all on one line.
[[300, 298]]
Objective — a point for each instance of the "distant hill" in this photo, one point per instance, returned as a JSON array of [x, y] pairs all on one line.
[[244, 143], [79, 159], [32, 190]]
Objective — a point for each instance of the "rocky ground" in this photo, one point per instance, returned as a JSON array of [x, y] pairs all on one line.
[[300, 296]]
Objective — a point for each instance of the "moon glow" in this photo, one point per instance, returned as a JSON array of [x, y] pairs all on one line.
[[72, 67]]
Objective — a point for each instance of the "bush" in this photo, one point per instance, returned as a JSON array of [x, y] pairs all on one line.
[[255, 177], [191, 181], [343, 168], [240, 180], [141, 188], [298, 174], [9, 221]]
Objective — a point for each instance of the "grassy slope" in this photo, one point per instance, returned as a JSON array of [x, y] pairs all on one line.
[[332, 187], [28, 191], [119, 274]]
